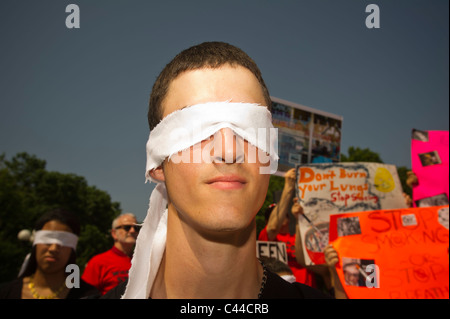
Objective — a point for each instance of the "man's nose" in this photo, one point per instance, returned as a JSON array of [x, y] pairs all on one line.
[[228, 147]]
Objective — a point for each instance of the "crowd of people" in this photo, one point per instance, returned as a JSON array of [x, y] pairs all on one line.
[[43, 274], [198, 240]]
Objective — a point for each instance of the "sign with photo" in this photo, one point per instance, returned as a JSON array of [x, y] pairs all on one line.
[[393, 254], [327, 189], [429, 157]]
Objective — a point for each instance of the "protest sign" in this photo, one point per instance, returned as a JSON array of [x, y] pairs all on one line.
[[398, 254], [272, 249], [327, 189], [429, 159], [305, 134]]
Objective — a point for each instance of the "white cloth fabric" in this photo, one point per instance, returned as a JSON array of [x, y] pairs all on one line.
[[61, 238], [186, 127], [179, 131], [289, 278]]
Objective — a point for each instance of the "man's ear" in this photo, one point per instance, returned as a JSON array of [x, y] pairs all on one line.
[[158, 174], [113, 234]]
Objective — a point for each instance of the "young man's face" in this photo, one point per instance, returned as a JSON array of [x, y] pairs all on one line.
[[198, 191]]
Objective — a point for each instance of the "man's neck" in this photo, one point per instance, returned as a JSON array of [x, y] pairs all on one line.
[[198, 266], [127, 249]]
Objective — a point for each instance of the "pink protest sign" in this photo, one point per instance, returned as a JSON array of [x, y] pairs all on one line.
[[429, 157]]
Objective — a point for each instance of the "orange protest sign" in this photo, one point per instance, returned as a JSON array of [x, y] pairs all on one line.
[[399, 253]]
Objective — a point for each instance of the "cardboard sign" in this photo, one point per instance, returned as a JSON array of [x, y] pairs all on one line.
[[327, 189], [272, 249], [429, 157], [393, 253]]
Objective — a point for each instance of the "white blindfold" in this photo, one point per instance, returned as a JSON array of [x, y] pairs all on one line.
[[61, 238]]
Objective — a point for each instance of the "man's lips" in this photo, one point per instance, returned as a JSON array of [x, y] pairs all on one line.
[[227, 182]]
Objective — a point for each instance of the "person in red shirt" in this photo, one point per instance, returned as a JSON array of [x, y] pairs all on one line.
[[106, 270], [277, 229]]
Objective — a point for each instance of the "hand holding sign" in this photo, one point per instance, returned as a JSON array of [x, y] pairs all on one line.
[[331, 256]]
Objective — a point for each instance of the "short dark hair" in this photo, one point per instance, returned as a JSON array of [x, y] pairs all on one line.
[[63, 216], [205, 55]]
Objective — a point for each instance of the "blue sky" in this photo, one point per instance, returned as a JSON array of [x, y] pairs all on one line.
[[78, 98]]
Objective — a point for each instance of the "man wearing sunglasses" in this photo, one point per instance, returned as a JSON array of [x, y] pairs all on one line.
[[106, 270]]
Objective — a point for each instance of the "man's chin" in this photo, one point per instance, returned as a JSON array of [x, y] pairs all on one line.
[[227, 227]]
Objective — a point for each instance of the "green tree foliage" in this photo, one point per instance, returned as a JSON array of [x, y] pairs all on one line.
[[401, 171], [28, 190], [356, 154]]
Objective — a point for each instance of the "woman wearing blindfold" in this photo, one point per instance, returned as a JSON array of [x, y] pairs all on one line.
[[43, 274]]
